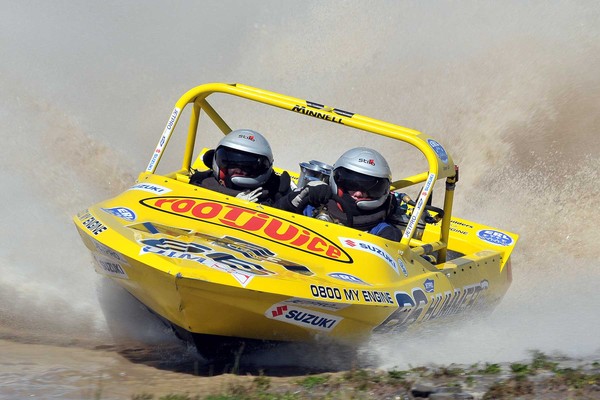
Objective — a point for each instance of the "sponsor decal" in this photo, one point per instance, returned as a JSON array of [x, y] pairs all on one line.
[[187, 250], [121, 212], [93, 225], [429, 285], [257, 223], [151, 188], [110, 267], [163, 140], [302, 317], [335, 110], [242, 270], [439, 150], [367, 296], [173, 244], [243, 278], [462, 225], [172, 119], [412, 222], [153, 160], [370, 248], [417, 306], [83, 215], [348, 278], [325, 292], [344, 113], [247, 249], [375, 296], [153, 228], [453, 221], [321, 115], [494, 237], [317, 304], [253, 252], [402, 267], [108, 252]]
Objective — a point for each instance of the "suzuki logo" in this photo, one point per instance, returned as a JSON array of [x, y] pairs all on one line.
[[279, 311]]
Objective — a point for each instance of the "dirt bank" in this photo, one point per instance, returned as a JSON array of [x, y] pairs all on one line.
[[32, 370]]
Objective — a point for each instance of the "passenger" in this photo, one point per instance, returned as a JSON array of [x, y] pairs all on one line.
[[358, 194], [242, 166]]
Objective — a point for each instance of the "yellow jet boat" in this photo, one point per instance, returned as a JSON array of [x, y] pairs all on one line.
[[218, 268]]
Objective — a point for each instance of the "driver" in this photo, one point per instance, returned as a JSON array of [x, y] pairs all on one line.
[[358, 194], [242, 166]]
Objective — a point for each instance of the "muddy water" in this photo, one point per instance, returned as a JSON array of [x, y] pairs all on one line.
[[73, 371], [46, 371]]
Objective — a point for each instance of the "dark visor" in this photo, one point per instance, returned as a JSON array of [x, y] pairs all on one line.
[[252, 164], [350, 181]]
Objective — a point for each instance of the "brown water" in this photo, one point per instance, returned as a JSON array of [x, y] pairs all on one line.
[[72, 372], [511, 90]]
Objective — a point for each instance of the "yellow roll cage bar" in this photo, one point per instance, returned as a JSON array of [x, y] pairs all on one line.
[[440, 163]]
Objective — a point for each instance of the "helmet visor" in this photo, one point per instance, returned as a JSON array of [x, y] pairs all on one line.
[[371, 186], [253, 165]]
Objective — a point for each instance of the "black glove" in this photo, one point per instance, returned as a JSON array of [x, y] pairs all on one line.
[[318, 192], [315, 193]]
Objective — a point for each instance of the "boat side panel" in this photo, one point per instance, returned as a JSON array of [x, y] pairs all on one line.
[[194, 256]]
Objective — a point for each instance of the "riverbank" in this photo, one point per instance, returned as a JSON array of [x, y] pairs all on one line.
[[31, 370]]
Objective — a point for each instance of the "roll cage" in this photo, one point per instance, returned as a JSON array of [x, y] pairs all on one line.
[[439, 161]]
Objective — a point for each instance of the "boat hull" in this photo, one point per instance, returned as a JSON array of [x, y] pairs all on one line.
[[212, 276]]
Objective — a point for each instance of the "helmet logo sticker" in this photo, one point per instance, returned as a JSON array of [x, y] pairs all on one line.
[[247, 137], [367, 161]]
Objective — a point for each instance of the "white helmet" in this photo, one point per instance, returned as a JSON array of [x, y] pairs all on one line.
[[362, 169], [247, 152]]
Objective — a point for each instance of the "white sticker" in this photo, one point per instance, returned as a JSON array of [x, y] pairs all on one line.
[[163, 140], [302, 317], [151, 188], [110, 267], [370, 248]]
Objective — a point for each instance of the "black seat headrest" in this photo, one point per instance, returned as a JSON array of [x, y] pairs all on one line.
[[208, 157]]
